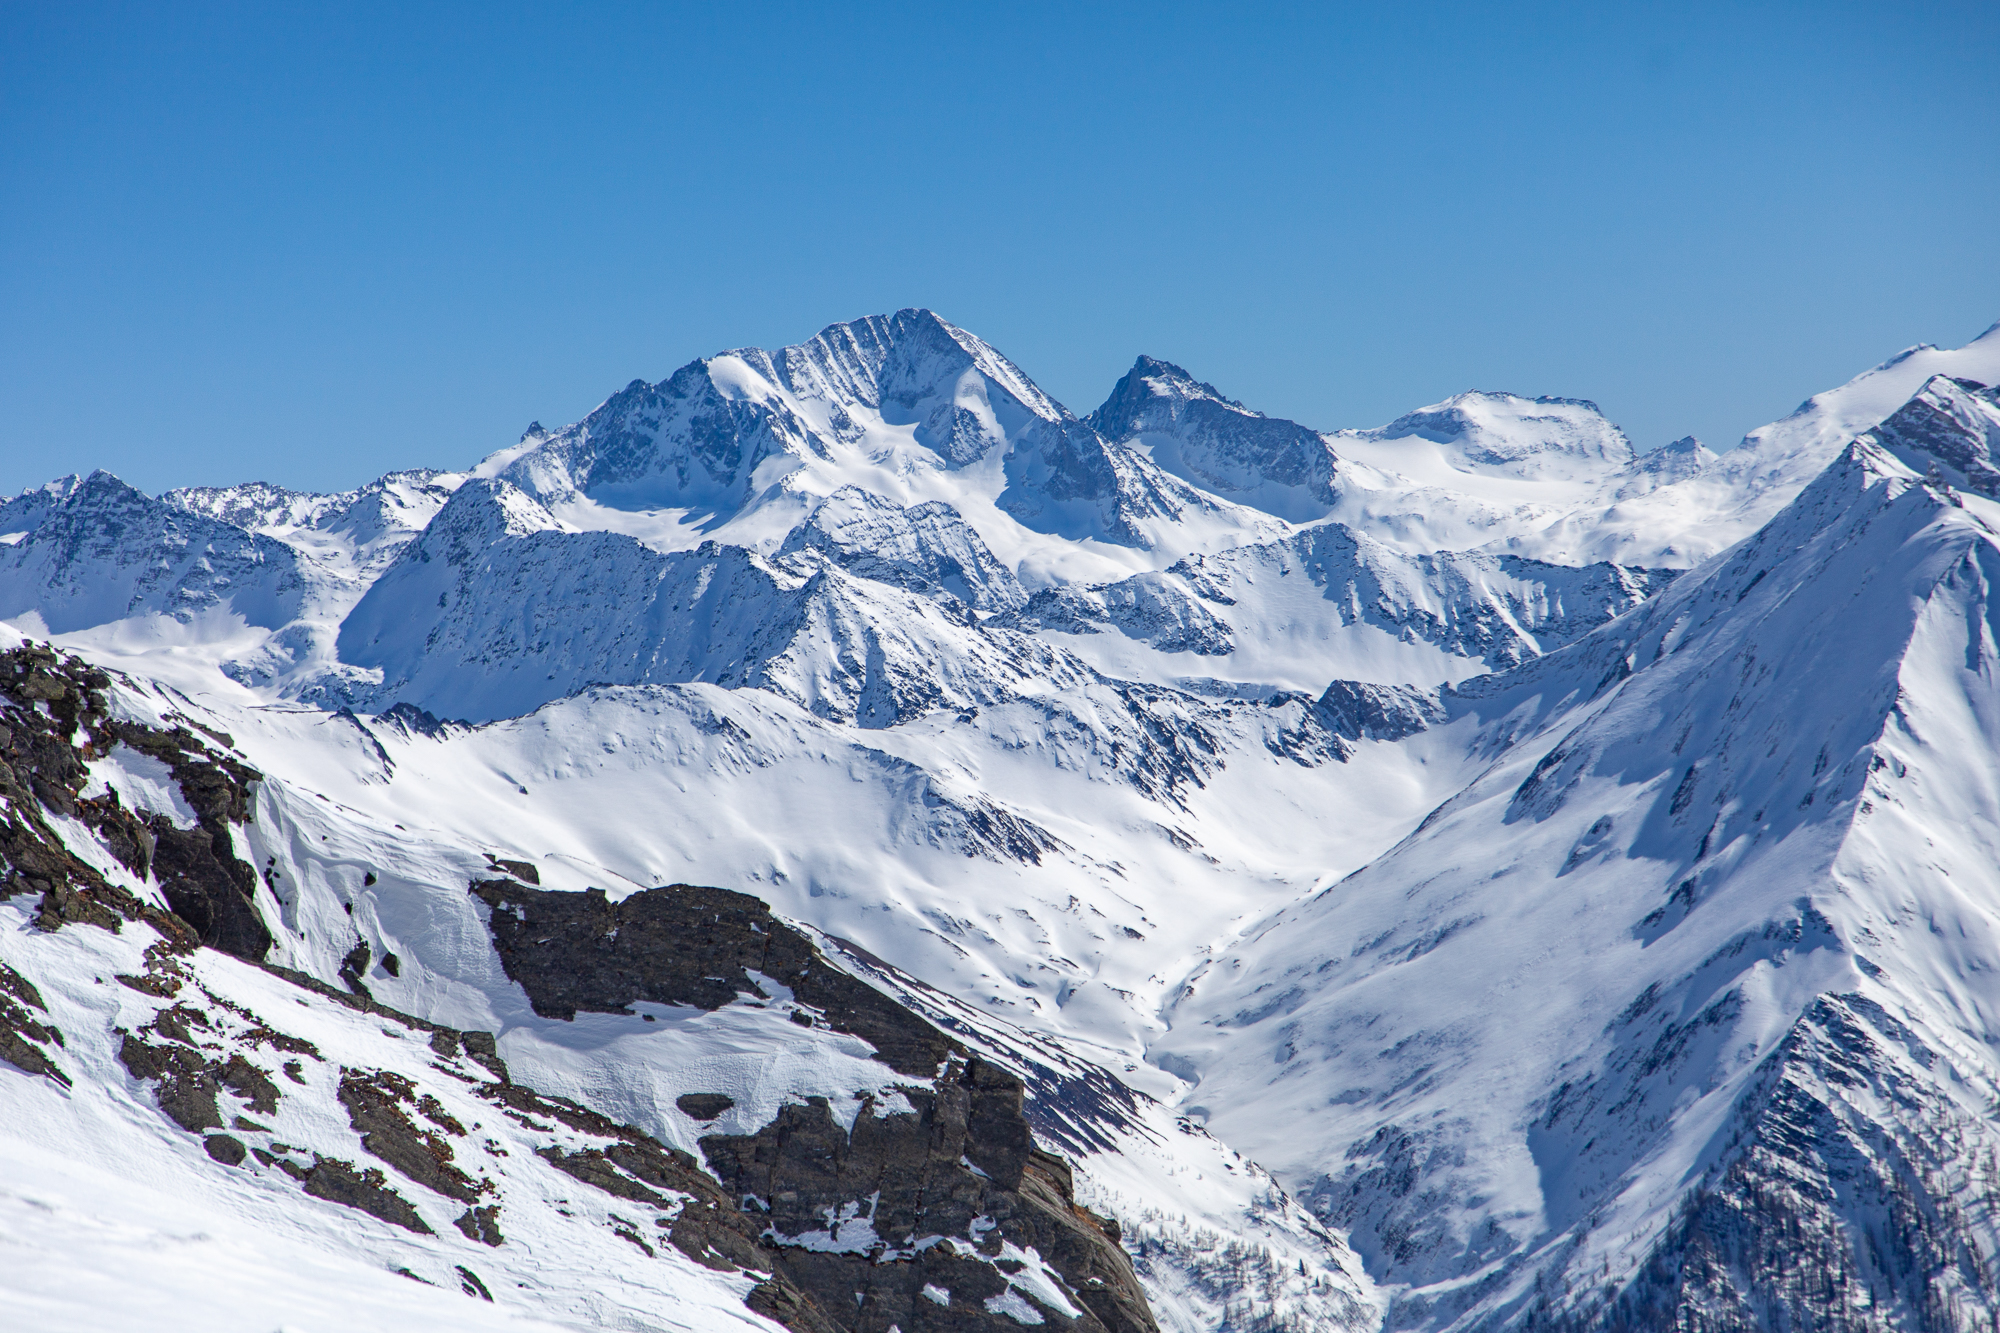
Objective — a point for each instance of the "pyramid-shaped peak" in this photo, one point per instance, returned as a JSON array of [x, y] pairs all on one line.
[[1153, 387]]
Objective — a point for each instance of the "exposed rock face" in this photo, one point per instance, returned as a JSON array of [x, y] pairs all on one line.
[[186, 1082], [24, 1040], [951, 1196], [1357, 710], [376, 1106], [938, 1211], [54, 721], [686, 945], [1956, 421], [703, 1105], [198, 870], [364, 1189]]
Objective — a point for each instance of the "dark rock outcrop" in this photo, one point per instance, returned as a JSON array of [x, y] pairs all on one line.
[[1356, 710], [53, 720], [363, 1189], [482, 1225], [959, 1190], [24, 1039], [943, 1197], [376, 1105], [686, 945], [703, 1105], [226, 1149], [187, 1086], [198, 870]]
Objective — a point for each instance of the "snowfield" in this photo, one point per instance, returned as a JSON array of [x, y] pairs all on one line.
[[1462, 874]]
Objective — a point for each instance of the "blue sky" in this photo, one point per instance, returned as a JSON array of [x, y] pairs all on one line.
[[311, 243]]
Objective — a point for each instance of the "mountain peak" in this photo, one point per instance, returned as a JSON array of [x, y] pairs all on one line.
[[1953, 420], [1214, 442], [1510, 433]]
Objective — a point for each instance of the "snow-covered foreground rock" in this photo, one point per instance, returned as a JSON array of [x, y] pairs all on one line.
[[1172, 867]]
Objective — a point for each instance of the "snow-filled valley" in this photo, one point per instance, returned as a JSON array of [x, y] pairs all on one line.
[[836, 838]]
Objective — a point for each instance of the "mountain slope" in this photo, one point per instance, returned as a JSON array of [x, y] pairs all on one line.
[[1708, 876], [1331, 602], [735, 1056]]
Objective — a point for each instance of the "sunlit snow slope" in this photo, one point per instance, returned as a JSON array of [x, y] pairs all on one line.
[[1727, 890]]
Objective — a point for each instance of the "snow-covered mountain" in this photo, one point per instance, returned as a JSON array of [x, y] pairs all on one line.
[[1731, 905], [907, 406], [836, 838], [92, 551], [1218, 444], [355, 533]]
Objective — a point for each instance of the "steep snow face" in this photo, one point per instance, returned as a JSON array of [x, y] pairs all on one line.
[[906, 405], [1218, 444], [1749, 821], [99, 551]]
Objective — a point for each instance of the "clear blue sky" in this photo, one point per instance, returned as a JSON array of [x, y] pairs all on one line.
[[309, 243]]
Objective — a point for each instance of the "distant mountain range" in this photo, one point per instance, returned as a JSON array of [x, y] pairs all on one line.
[[837, 838]]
